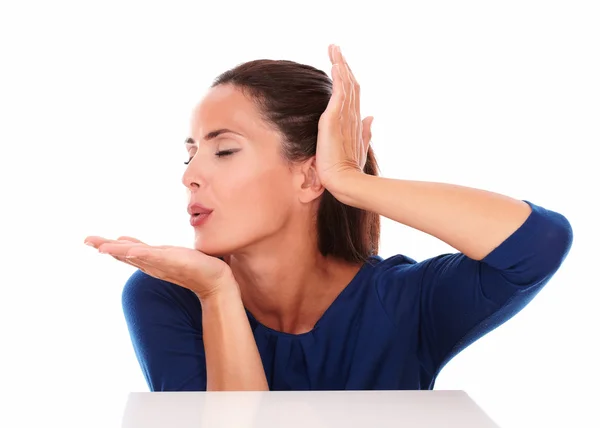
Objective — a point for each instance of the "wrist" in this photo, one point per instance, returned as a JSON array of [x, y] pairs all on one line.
[[347, 187], [227, 291]]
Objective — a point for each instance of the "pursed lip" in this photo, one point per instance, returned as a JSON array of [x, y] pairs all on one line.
[[196, 208], [197, 220]]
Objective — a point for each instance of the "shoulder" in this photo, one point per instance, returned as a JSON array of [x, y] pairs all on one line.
[[140, 285], [385, 263], [400, 277], [144, 293], [398, 272], [395, 267]]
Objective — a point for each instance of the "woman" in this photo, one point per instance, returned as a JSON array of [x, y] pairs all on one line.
[[284, 289]]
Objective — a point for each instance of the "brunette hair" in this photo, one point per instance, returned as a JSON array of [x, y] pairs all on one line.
[[292, 97]]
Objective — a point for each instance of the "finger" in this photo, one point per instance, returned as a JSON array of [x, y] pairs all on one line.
[[130, 238], [135, 262], [330, 53], [344, 116], [354, 82], [96, 241], [160, 263], [350, 106], [119, 249], [351, 111], [351, 124], [116, 250], [336, 102], [138, 263], [137, 241], [350, 72], [366, 133], [346, 82], [154, 256], [354, 110], [149, 259]]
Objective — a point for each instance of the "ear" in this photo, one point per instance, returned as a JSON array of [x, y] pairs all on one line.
[[309, 185]]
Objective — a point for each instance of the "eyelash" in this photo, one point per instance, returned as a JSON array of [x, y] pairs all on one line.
[[220, 154]]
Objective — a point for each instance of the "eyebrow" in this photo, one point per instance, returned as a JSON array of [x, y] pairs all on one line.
[[212, 135]]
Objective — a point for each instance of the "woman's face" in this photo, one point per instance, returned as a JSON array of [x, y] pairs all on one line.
[[237, 171]]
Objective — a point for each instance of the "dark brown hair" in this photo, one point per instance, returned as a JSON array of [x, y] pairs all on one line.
[[292, 97]]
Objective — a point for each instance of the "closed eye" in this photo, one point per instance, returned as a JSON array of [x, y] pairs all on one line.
[[225, 153], [220, 154]]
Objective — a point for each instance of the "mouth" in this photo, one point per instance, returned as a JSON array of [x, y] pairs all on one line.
[[198, 219]]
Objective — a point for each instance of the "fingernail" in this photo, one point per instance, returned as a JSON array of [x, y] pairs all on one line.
[[88, 243]]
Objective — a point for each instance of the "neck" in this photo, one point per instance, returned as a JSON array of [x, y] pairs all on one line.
[[287, 284]]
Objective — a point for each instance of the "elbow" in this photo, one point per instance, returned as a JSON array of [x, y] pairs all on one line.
[[557, 242], [535, 252], [562, 237], [133, 289]]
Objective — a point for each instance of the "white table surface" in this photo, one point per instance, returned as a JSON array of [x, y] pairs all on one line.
[[314, 409]]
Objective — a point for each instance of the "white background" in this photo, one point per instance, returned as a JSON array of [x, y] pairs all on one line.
[[95, 99]]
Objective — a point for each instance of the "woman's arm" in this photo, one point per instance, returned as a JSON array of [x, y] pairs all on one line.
[[232, 359], [470, 220], [183, 344], [509, 249]]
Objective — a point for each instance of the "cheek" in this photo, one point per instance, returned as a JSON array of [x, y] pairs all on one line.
[[251, 205], [256, 194]]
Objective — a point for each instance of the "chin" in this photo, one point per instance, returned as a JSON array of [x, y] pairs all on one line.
[[214, 249], [223, 246]]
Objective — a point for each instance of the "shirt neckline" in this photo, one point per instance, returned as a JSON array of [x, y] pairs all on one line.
[[371, 262]]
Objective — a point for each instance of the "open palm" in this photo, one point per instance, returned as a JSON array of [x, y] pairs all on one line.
[[189, 268]]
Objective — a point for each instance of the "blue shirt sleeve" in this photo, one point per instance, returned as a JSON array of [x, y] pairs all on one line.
[[165, 326], [460, 299]]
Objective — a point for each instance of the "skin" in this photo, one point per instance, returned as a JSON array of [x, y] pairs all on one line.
[[263, 214], [262, 223]]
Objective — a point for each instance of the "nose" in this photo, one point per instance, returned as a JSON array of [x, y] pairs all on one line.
[[191, 177]]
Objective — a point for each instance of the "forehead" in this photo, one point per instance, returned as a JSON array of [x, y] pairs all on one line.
[[225, 106]]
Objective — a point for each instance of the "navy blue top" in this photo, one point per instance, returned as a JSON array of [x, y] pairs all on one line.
[[395, 325]]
